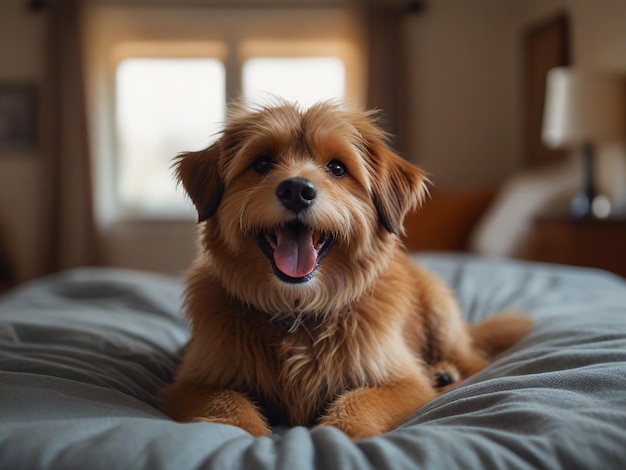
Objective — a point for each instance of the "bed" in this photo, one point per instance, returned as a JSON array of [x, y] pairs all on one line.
[[84, 352]]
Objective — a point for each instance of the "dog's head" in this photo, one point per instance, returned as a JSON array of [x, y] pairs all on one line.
[[301, 209]]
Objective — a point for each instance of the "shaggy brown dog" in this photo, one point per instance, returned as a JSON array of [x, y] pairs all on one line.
[[304, 306]]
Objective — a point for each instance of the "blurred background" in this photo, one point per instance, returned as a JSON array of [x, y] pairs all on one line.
[[97, 97]]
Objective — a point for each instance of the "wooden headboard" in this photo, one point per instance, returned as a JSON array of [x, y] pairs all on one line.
[[446, 220]]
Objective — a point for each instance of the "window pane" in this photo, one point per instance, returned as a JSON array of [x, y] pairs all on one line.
[[163, 107], [302, 79]]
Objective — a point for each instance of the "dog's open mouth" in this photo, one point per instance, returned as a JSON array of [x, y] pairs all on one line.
[[295, 250]]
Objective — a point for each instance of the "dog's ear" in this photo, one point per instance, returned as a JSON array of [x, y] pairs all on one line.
[[199, 174], [398, 187]]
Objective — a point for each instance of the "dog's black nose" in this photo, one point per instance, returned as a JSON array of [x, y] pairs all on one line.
[[296, 194]]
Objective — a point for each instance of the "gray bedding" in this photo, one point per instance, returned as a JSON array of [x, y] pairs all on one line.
[[83, 354]]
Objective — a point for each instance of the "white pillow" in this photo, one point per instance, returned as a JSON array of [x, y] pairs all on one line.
[[503, 230]]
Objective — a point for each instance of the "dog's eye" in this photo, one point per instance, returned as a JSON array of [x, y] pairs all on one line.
[[263, 164], [337, 168]]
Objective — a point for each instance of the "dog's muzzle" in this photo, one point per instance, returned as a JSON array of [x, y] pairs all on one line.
[[295, 249]]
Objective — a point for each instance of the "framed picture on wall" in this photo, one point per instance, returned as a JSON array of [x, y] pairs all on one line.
[[18, 117], [546, 44]]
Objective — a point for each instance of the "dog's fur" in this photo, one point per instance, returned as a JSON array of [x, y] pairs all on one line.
[[358, 341]]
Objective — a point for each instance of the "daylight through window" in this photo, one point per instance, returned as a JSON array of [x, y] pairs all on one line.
[[163, 107], [305, 80]]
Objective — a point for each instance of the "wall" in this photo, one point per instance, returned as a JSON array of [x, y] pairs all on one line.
[[21, 61], [463, 64], [464, 70]]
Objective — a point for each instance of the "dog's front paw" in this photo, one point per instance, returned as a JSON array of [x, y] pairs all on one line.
[[353, 415], [253, 424], [186, 401], [370, 411]]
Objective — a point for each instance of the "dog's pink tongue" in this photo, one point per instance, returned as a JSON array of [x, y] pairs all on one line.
[[295, 255]]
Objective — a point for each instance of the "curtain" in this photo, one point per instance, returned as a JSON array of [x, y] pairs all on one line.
[[387, 74], [71, 234]]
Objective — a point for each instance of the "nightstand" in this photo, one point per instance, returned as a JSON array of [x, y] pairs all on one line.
[[597, 243]]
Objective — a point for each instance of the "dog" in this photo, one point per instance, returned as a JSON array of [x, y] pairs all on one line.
[[304, 307]]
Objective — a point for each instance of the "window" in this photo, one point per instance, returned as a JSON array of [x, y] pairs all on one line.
[[166, 106], [159, 80]]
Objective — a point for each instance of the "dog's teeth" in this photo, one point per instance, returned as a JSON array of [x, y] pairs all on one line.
[[319, 243]]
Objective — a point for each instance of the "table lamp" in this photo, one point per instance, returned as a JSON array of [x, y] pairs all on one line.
[[582, 109]]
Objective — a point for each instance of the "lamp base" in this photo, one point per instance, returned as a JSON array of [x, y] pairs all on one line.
[[580, 207], [584, 207]]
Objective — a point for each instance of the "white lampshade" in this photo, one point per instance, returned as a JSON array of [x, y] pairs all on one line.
[[583, 107]]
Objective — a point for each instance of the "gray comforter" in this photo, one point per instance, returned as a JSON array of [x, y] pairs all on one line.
[[83, 354]]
